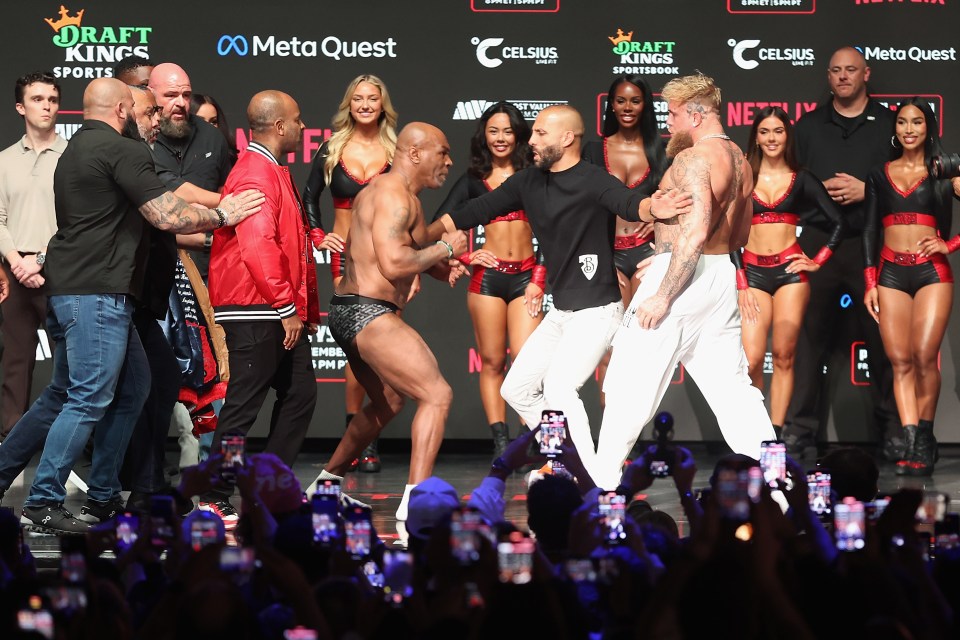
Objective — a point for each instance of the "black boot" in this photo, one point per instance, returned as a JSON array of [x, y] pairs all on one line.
[[925, 452], [501, 438], [778, 432], [907, 455], [370, 458]]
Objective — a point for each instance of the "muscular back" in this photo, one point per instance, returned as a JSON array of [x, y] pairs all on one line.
[[386, 217], [717, 174]]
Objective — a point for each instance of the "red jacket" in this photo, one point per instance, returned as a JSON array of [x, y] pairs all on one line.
[[263, 268]]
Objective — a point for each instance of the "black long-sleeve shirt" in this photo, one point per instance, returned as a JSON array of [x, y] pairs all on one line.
[[884, 198], [808, 199], [572, 214]]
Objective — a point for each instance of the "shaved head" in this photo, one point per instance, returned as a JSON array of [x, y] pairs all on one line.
[[109, 100], [168, 73], [423, 155], [417, 135], [274, 118], [565, 117]]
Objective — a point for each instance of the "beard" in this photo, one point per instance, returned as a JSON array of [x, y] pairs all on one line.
[[178, 130], [678, 142], [548, 156], [131, 129]]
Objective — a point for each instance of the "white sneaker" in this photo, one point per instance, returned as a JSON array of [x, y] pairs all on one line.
[[404, 503]]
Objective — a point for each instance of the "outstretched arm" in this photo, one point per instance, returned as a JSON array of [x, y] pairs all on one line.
[[691, 174], [168, 212]]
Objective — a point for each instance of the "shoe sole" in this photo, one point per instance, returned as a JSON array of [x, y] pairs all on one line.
[[35, 529]]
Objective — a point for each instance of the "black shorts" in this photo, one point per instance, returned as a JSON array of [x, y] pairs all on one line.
[[769, 279], [910, 278], [506, 286], [350, 314], [626, 259]]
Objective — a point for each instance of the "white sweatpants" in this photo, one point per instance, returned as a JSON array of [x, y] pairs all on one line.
[[557, 358], [702, 330]]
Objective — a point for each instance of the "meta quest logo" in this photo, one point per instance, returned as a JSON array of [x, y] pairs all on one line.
[[92, 52]]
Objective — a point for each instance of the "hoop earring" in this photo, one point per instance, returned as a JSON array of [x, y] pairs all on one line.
[[894, 142]]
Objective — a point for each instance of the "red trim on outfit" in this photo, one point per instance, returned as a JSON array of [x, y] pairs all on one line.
[[631, 241], [886, 172], [773, 205], [606, 165], [775, 217], [773, 260], [907, 218]]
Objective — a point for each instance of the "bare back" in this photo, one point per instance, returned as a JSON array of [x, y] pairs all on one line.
[[387, 216], [719, 164]]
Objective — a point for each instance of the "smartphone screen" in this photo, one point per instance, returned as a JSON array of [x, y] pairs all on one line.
[[515, 559], [35, 618], [232, 446], [465, 535], [553, 432], [773, 462], [613, 509], [128, 530], [932, 508], [397, 576], [875, 509], [328, 488], [849, 525], [73, 559], [947, 532], [299, 633], [162, 519], [732, 491], [358, 531], [818, 492], [203, 532], [237, 559], [326, 519], [581, 570]]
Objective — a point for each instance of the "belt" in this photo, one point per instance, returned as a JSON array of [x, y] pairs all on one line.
[[775, 217], [903, 258], [631, 241], [512, 267], [771, 260], [923, 219]]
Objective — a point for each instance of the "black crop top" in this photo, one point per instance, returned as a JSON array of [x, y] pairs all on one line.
[[595, 152], [467, 188], [805, 202], [343, 187], [885, 204]]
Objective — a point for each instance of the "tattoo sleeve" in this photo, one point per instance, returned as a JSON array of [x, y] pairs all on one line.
[[167, 212], [691, 173]]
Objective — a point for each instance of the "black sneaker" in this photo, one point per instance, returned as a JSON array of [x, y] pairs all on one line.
[[94, 511], [800, 447], [52, 519]]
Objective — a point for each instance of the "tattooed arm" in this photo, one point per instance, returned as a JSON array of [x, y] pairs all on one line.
[[690, 173], [167, 212], [398, 255]]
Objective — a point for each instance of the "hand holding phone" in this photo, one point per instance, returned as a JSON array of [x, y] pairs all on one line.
[[613, 511], [773, 462]]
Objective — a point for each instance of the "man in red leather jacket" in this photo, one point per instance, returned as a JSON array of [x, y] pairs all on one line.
[[263, 287]]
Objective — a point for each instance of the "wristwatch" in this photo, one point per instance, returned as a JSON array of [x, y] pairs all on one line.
[[208, 240], [41, 258]]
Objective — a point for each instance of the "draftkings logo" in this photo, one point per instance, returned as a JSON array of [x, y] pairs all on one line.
[[92, 46], [748, 54], [644, 57], [473, 109], [773, 6]]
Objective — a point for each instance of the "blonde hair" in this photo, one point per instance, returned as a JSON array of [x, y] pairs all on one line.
[[344, 124], [698, 88]]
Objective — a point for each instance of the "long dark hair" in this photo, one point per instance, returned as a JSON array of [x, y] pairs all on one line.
[[942, 200], [481, 160], [197, 100], [755, 156], [652, 144]]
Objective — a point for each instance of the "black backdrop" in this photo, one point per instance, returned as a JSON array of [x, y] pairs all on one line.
[[444, 60]]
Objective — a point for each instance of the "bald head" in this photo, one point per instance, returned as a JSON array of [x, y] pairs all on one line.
[[145, 113], [274, 118], [168, 73], [418, 135], [556, 137]]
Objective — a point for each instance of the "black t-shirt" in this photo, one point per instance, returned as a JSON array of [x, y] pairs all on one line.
[[572, 214], [100, 246], [828, 143]]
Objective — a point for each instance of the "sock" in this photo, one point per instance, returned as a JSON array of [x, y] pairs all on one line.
[[404, 503], [324, 475]]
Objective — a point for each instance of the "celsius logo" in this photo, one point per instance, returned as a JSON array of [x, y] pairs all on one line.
[[87, 44], [643, 57], [493, 59], [331, 47], [796, 57], [473, 109]]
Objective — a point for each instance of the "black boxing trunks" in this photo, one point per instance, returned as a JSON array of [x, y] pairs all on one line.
[[351, 313]]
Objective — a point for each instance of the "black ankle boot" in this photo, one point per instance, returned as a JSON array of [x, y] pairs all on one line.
[[370, 459], [906, 457], [501, 438], [925, 452]]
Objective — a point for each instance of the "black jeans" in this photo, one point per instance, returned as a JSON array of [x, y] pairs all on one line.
[[144, 461], [809, 406], [258, 362]]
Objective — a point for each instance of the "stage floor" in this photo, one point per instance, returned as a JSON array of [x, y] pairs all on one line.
[[465, 471]]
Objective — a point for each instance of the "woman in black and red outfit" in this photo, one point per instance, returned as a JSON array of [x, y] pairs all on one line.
[[910, 287], [507, 266], [772, 271], [632, 151], [361, 147]]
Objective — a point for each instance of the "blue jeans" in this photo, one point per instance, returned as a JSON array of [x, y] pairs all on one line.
[[102, 392]]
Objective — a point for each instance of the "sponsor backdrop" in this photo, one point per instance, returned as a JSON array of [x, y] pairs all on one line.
[[444, 62]]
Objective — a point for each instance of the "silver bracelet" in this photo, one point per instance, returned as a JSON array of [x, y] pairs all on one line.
[[448, 246]]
